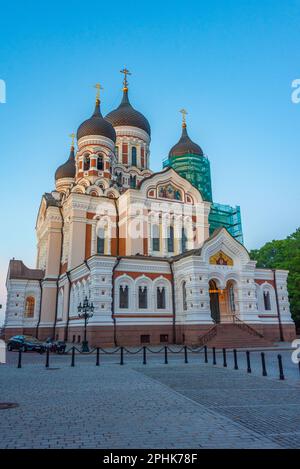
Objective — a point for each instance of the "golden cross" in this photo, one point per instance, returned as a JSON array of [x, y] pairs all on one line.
[[184, 113], [98, 88], [126, 72], [73, 138]]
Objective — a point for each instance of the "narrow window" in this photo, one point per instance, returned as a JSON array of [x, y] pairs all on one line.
[[117, 152], [184, 302], [161, 297], [100, 242], [183, 240], [100, 163], [155, 238], [132, 181], [124, 296], [86, 163], [171, 239], [143, 300], [267, 301], [133, 156], [29, 307]]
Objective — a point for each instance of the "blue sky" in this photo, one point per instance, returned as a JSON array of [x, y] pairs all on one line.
[[230, 63]]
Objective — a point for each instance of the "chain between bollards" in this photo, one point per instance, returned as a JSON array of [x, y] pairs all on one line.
[[224, 358], [166, 355], [122, 356], [98, 357], [73, 357], [248, 362], [144, 356], [214, 356], [185, 354], [236, 367], [205, 354], [281, 375], [263, 364], [47, 358], [20, 358]]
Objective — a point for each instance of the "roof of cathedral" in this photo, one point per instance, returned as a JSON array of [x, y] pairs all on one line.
[[17, 269], [96, 125], [125, 114], [185, 145], [68, 169]]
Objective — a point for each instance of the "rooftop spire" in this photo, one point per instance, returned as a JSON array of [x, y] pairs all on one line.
[[97, 112], [126, 72]]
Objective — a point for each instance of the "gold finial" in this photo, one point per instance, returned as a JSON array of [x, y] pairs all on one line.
[[98, 88], [184, 113], [72, 136], [125, 82]]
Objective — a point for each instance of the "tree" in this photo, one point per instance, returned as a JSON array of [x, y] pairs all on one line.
[[283, 254]]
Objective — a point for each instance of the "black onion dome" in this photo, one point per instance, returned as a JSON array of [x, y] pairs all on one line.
[[125, 114], [185, 145], [96, 125], [68, 169]]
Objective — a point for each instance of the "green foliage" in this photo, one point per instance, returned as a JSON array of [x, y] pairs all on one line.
[[284, 254]]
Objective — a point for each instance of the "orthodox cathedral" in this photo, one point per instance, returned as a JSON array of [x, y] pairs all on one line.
[[160, 261]]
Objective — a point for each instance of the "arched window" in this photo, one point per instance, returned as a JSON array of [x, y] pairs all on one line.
[[119, 179], [267, 301], [171, 238], [86, 163], [133, 156], [184, 302], [231, 298], [100, 163], [101, 241], [132, 181], [143, 300], [123, 292], [161, 297], [29, 307], [155, 238], [183, 240]]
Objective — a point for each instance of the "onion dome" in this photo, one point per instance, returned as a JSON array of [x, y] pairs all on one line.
[[185, 145], [125, 114], [68, 169], [96, 125]]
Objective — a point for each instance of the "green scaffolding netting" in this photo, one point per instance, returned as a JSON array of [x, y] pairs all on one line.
[[196, 169]]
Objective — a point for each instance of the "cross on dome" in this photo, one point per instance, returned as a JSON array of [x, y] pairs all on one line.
[[126, 72], [98, 88], [184, 113]]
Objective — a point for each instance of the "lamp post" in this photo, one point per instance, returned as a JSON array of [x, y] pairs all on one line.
[[85, 311]]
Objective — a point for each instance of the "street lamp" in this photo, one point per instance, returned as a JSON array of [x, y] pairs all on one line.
[[85, 312]]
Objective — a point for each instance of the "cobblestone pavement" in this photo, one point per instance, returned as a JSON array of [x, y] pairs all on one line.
[[178, 405]]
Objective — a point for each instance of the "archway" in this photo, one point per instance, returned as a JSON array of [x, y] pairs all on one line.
[[223, 303], [214, 301]]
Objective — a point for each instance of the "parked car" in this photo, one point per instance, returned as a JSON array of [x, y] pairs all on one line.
[[57, 346], [25, 343]]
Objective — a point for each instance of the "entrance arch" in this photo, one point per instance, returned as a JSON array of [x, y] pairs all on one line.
[[223, 303]]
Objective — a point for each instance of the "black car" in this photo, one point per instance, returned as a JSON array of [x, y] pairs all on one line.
[[57, 346], [25, 343]]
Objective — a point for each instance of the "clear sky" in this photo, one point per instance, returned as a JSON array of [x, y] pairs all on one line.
[[230, 63]]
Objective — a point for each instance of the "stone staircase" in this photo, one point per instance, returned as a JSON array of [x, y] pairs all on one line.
[[234, 335]]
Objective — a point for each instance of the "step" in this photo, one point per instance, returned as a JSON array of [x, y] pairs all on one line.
[[232, 336]]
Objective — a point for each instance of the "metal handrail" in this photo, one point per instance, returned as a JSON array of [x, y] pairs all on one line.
[[210, 334], [243, 325]]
